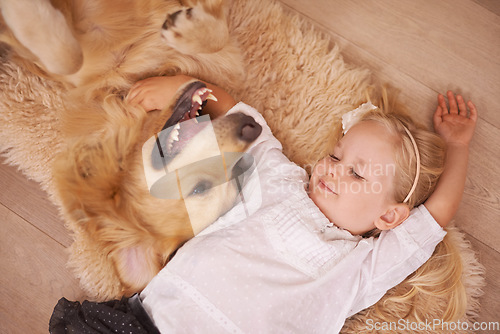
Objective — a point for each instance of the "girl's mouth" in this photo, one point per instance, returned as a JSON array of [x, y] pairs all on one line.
[[325, 187]]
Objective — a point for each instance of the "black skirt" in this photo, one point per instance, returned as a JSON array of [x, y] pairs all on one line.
[[126, 316]]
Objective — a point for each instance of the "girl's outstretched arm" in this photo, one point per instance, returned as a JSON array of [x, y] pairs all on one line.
[[155, 93], [456, 126]]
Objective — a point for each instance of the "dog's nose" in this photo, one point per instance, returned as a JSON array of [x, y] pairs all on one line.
[[249, 129]]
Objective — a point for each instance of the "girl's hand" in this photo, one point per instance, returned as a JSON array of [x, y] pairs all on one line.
[[156, 93], [456, 125]]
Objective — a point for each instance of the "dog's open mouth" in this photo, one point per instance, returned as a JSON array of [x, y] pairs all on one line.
[[184, 123]]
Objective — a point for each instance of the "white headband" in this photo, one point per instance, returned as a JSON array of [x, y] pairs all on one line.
[[352, 117]]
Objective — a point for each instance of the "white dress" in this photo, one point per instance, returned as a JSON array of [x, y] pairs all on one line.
[[275, 267]]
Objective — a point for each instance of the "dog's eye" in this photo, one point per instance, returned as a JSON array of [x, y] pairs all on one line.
[[200, 188]]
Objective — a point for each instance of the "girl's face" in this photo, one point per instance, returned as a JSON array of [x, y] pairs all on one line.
[[353, 186]]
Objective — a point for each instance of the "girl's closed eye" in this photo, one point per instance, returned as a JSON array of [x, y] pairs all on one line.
[[356, 175], [334, 158]]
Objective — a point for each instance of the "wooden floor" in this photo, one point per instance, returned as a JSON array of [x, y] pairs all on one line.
[[420, 46]]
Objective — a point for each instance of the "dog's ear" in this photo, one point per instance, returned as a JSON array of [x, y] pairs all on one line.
[[88, 180], [136, 266], [89, 175]]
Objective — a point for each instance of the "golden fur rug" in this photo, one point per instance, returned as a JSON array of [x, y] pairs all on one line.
[[302, 86]]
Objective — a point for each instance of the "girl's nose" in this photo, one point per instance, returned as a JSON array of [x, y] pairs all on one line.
[[336, 171], [332, 171]]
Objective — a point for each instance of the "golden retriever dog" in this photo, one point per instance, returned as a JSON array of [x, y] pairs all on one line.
[[102, 181], [97, 49], [107, 45]]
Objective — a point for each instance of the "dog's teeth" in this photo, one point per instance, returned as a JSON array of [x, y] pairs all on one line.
[[175, 135], [211, 97], [197, 112], [197, 99], [170, 144]]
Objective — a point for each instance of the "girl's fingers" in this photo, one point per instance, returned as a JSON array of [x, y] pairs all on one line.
[[136, 89], [462, 107], [442, 104], [438, 115], [133, 97], [473, 111], [132, 94], [136, 100], [452, 102]]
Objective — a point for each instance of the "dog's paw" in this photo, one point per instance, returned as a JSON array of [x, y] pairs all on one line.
[[195, 30]]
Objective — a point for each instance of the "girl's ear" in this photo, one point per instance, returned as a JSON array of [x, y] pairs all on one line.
[[396, 214]]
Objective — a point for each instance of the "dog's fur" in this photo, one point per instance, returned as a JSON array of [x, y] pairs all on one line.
[[97, 49]]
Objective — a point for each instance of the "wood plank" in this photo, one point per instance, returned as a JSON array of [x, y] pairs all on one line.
[[33, 278], [26, 199], [479, 212], [448, 44], [491, 5]]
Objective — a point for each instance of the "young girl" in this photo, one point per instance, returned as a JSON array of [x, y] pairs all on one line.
[[304, 262]]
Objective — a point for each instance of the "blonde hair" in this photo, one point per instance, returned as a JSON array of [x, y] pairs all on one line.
[[437, 284], [430, 149]]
